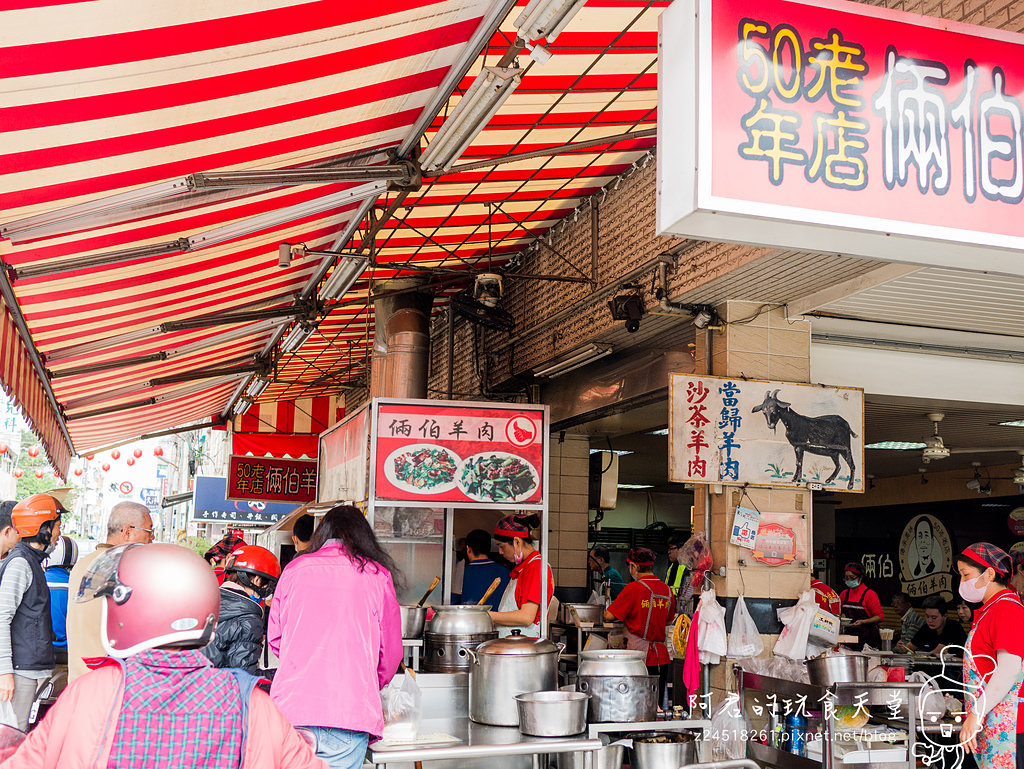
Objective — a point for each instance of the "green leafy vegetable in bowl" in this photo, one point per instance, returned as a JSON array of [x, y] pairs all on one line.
[[497, 478], [425, 468]]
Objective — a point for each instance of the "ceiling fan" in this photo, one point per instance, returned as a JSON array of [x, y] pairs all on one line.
[[934, 448]]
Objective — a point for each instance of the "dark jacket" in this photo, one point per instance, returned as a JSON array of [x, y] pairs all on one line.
[[31, 629], [239, 636]]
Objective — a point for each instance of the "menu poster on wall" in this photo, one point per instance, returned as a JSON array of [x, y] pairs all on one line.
[[740, 431], [344, 449], [429, 453]]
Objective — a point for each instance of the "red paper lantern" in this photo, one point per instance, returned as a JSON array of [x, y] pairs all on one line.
[[56, 474], [115, 454], [106, 466], [3, 447], [137, 453], [39, 473], [158, 451], [18, 472], [130, 461], [33, 451], [78, 471], [90, 457]]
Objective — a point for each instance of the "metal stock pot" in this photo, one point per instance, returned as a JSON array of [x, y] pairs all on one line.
[[502, 668]]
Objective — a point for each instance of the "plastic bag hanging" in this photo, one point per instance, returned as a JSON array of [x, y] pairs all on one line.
[[797, 619], [744, 640], [711, 636]]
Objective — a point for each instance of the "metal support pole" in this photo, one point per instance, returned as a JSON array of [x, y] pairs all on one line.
[[451, 350]]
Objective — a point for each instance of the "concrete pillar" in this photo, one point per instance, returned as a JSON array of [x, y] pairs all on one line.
[[755, 343], [568, 519]]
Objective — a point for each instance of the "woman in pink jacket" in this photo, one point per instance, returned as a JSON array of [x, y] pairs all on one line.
[[336, 627]]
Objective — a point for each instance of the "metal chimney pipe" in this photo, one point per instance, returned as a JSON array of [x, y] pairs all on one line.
[[401, 349]]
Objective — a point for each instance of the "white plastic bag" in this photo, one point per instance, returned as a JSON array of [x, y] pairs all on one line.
[[729, 728], [711, 637], [400, 700], [744, 640], [7, 714], [797, 619]]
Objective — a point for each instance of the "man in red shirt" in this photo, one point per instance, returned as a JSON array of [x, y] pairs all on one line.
[[646, 606]]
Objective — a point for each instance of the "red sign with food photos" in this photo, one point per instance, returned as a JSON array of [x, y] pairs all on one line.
[[459, 454]]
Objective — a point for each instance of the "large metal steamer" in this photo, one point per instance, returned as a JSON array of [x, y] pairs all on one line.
[[620, 689], [453, 630]]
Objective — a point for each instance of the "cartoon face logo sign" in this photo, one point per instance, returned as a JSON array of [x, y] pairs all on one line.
[[937, 748], [926, 555]]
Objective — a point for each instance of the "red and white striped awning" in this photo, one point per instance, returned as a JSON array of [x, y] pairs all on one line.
[[108, 105]]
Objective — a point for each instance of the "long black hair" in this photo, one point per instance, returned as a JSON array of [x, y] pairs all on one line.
[[349, 525]]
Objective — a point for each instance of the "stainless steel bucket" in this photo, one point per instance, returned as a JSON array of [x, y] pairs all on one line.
[[552, 714], [663, 755], [413, 619], [828, 669], [608, 757]]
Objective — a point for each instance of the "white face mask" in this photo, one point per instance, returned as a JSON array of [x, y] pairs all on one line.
[[972, 591], [518, 557]]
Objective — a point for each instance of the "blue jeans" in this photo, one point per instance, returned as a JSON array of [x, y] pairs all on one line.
[[340, 748]]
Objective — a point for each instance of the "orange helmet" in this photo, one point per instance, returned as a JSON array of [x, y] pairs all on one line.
[[252, 560], [32, 512]]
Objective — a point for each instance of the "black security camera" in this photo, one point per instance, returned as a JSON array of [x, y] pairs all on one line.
[[628, 307]]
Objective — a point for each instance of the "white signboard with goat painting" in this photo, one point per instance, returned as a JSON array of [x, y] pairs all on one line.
[[739, 431]]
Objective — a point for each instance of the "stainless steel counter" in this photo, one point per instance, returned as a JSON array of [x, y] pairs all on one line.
[[480, 747]]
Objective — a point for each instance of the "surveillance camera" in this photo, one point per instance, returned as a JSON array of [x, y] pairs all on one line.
[[632, 326]]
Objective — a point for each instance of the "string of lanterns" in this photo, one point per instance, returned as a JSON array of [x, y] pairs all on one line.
[[34, 451]]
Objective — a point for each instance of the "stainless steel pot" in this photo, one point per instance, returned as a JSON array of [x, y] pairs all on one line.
[[413, 619], [461, 620], [612, 662], [828, 669], [620, 699], [502, 668], [608, 757], [647, 754], [552, 714]]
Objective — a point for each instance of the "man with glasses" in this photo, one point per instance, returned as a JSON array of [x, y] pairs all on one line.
[[128, 522]]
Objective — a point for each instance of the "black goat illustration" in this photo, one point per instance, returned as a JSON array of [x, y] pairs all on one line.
[[827, 435]]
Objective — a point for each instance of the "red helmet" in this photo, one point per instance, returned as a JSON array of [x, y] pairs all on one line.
[[32, 512], [153, 595], [254, 561]]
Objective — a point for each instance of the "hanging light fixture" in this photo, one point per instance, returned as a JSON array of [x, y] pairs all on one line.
[[474, 111], [346, 272]]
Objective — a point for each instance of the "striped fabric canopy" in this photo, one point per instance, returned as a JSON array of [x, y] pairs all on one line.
[[151, 302]]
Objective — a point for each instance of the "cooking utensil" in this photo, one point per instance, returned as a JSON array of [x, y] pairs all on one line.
[[679, 750], [612, 662], [552, 714], [491, 589], [461, 620], [413, 619], [827, 669], [620, 699], [585, 612], [502, 668], [433, 583], [608, 757], [447, 653]]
